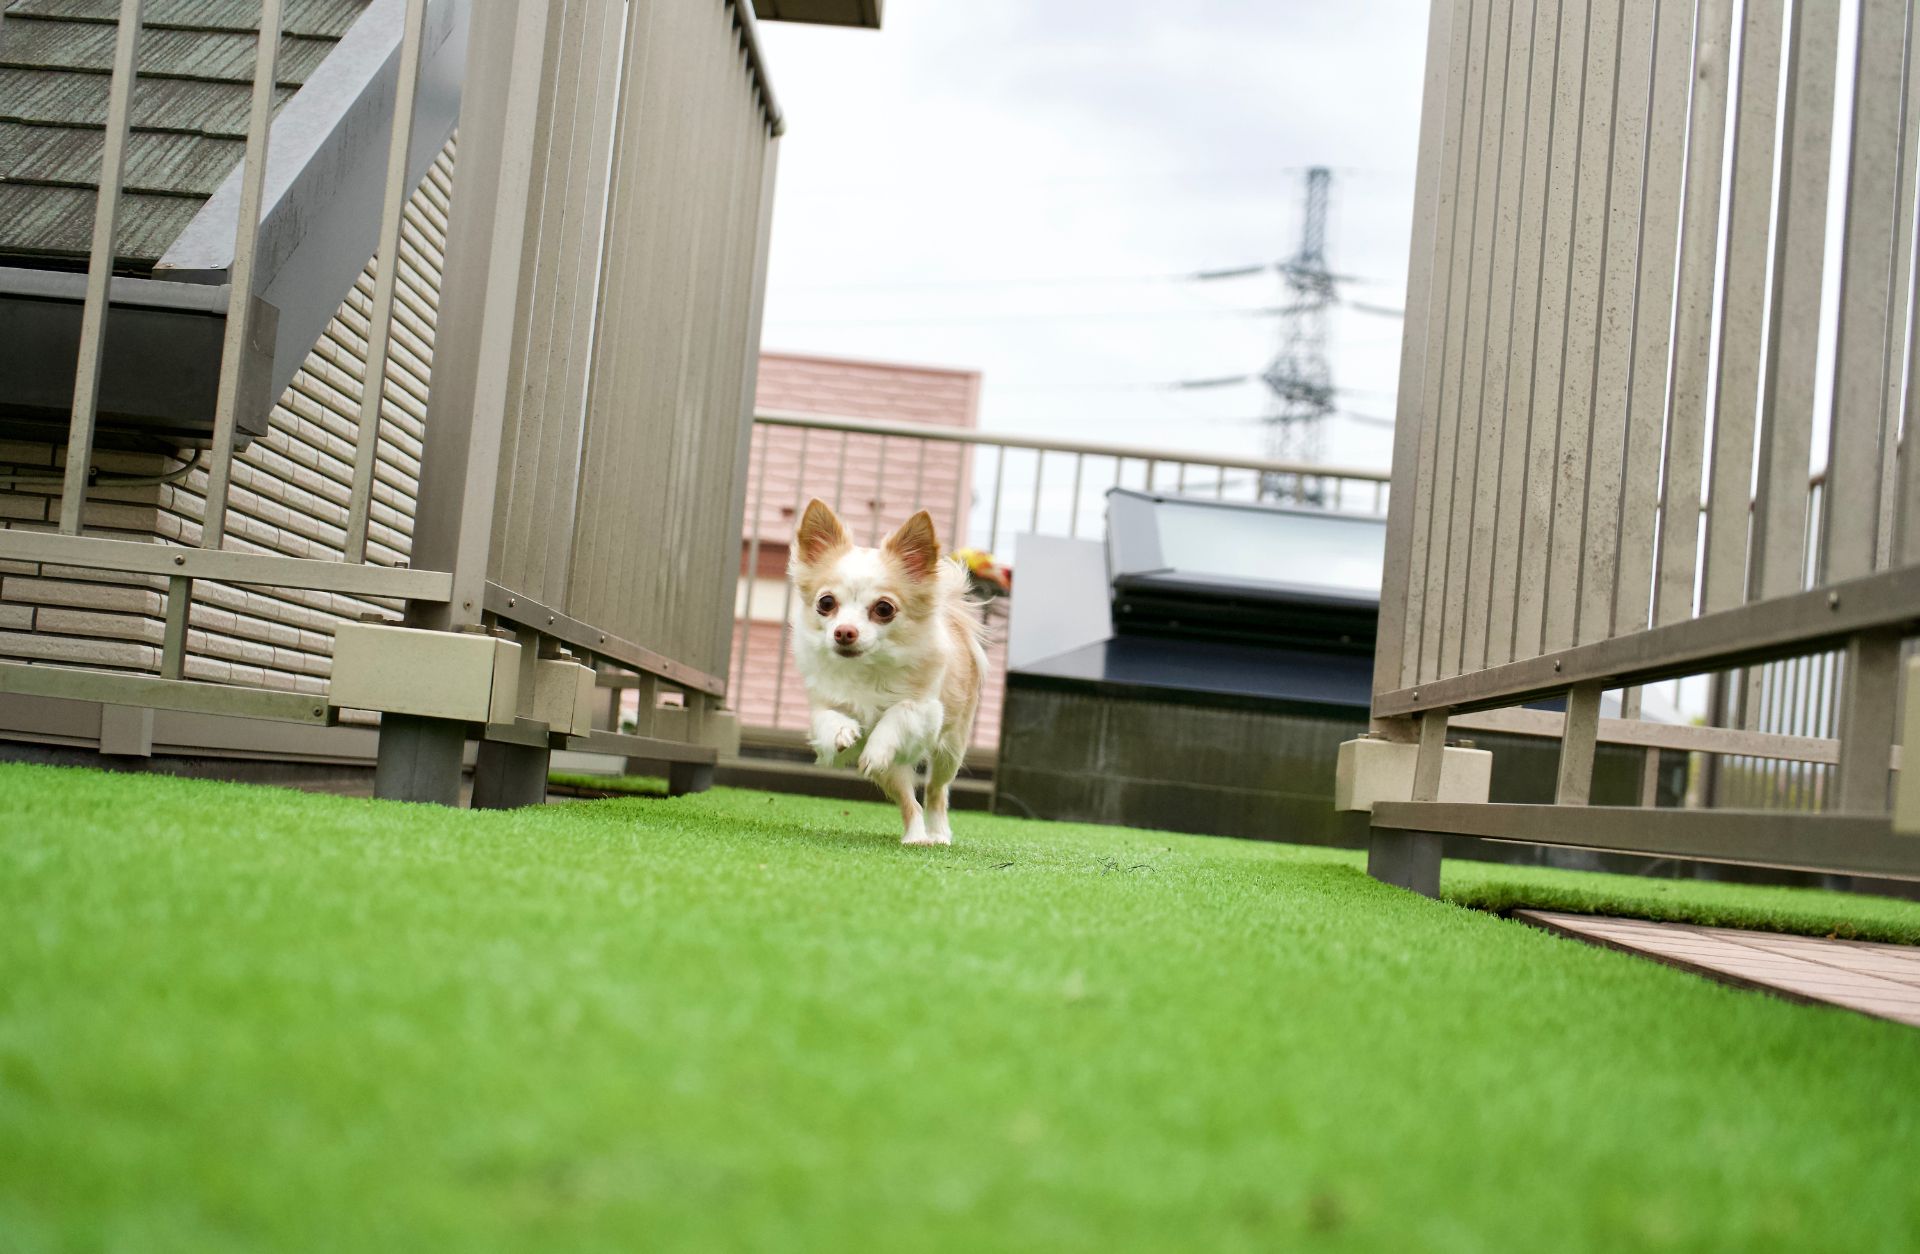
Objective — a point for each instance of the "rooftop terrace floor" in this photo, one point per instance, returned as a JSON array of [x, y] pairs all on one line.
[[244, 1018]]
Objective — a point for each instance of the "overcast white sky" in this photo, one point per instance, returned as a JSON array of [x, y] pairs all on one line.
[[1110, 141]]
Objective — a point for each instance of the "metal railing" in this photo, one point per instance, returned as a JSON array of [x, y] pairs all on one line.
[[592, 369], [1606, 435], [983, 489]]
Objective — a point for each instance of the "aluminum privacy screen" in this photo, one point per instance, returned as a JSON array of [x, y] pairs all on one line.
[[621, 480], [1617, 383]]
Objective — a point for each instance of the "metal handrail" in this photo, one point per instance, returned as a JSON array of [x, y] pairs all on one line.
[[1087, 448]]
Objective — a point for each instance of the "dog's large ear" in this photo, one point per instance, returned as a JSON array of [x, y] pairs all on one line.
[[820, 533], [915, 546]]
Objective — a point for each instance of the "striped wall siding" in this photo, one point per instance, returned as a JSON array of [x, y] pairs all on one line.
[[290, 492]]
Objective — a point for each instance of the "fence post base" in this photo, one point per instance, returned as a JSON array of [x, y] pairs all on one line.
[[686, 777], [506, 777], [419, 759], [1408, 859]]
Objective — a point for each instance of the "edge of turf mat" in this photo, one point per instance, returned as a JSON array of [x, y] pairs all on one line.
[[1705, 903], [601, 787]]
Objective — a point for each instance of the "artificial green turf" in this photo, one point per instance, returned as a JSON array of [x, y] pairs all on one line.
[[246, 1019], [1761, 907], [607, 785]]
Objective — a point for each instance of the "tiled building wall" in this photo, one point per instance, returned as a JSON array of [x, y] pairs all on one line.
[[289, 496]]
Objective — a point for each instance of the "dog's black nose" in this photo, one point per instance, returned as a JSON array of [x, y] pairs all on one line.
[[845, 635]]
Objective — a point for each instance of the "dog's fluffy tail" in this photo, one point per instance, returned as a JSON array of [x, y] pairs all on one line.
[[963, 611]]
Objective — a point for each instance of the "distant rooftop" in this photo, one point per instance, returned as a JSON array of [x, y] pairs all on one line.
[[189, 115]]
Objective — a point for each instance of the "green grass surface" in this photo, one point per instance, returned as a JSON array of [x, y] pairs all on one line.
[[607, 785], [1765, 908], [245, 1019]]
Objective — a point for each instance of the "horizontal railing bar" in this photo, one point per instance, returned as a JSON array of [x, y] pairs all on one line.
[[621, 745], [139, 557], [1763, 631], [965, 435], [515, 607], [1681, 737], [189, 695], [1849, 844]]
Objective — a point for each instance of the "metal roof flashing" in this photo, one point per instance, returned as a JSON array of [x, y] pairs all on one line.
[[864, 14]]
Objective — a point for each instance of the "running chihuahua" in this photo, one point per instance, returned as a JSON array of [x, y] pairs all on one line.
[[892, 656]]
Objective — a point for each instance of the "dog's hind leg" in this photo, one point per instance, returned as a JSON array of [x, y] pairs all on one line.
[[897, 782]]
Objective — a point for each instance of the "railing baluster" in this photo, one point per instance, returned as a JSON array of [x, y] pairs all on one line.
[[1073, 519], [1039, 474], [246, 245], [1728, 494], [238, 332], [100, 259], [1676, 561], [1857, 445], [840, 476], [754, 523], [880, 482], [1868, 708], [380, 325], [786, 597], [1653, 324], [962, 471], [999, 481]]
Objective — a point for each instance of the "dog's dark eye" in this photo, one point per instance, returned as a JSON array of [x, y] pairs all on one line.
[[825, 604], [883, 611]]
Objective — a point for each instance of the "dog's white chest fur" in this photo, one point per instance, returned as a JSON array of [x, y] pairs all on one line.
[[862, 688]]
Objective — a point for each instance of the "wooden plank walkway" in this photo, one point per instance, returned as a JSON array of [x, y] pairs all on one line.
[[1874, 979]]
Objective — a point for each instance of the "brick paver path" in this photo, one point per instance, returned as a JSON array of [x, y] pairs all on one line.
[[1879, 980]]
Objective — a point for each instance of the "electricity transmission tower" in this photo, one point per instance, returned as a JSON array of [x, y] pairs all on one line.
[[1299, 377]]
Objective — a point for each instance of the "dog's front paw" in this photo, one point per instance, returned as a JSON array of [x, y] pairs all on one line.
[[881, 754], [831, 738]]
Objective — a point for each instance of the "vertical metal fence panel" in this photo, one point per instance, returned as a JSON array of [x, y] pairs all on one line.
[[1599, 564], [1676, 559], [1743, 329], [1465, 623], [1583, 327], [1624, 342], [1556, 260], [1446, 415], [1849, 526], [662, 448], [1420, 375], [1520, 413], [1779, 514], [1898, 368], [1653, 317], [526, 415]]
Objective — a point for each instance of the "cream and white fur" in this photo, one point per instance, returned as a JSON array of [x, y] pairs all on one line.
[[891, 653]]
